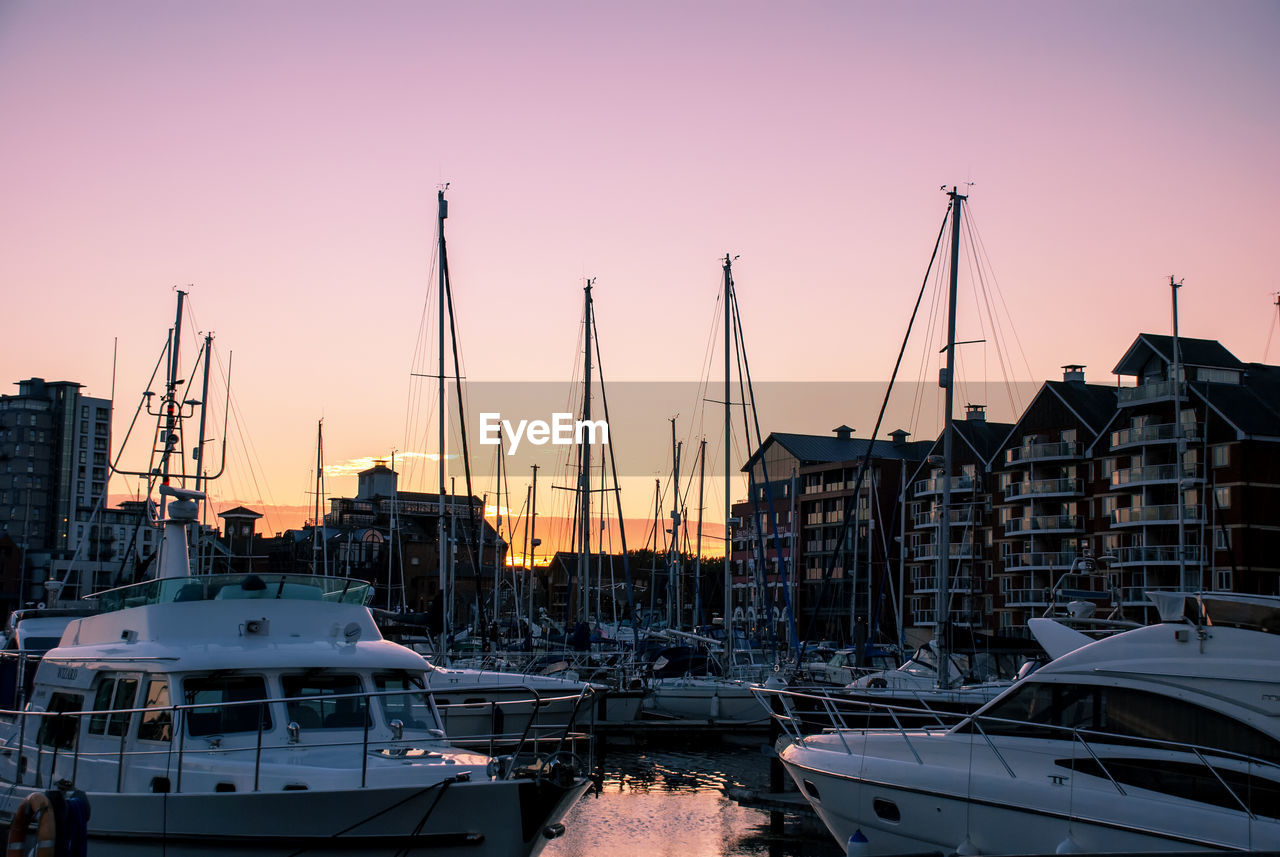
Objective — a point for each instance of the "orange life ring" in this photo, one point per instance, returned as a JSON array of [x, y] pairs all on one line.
[[36, 806]]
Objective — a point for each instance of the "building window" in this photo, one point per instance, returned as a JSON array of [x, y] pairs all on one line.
[[1222, 539], [1222, 498], [1222, 580], [1221, 455]]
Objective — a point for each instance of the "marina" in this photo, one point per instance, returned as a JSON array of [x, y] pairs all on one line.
[[610, 467]]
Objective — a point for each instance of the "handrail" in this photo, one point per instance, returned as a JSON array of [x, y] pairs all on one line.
[[179, 718]]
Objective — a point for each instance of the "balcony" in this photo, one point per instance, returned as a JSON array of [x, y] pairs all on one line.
[[1151, 392], [1141, 515], [1136, 596], [1159, 555], [1153, 474], [958, 550], [959, 484], [1047, 559], [1041, 452], [1068, 487], [1145, 435], [961, 619], [958, 518], [1025, 598], [1044, 524], [960, 583]]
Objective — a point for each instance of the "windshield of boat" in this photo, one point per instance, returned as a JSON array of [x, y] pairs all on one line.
[[410, 705], [221, 701], [325, 700]]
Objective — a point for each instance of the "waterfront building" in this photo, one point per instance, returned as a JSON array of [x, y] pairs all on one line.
[[1043, 521], [54, 443], [810, 488], [966, 535], [1167, 482]]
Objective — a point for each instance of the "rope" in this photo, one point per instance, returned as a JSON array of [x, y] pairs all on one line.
[[851, 508], [442, 785]]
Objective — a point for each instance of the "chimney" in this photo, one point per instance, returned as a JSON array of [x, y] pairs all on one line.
[[899, 437], [843, 433], [1073, 373], [975, 413]]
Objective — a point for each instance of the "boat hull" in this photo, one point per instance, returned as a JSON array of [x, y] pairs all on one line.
[[726, 703], [514, 817], [872, 784]]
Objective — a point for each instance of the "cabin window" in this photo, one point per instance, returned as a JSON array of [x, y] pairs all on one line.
[[1045, 710], [156, 723], [411, 707], [225, 703], [325, 701], [60, 732], [113, 695]]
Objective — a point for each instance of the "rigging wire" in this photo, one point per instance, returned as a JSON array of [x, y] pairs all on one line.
[[851, 508]]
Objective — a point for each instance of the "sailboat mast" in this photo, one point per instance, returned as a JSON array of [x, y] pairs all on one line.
[[728, 462], [943, 539], [442, 211], [533, 540], [697, 554], [584, 469], [673, 554], [316, 537], [1181, 442]]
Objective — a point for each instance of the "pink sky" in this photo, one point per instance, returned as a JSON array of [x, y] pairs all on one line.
[[282, 158]]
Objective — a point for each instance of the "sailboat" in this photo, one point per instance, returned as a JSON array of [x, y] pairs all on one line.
[[718, 696], [217, 712]]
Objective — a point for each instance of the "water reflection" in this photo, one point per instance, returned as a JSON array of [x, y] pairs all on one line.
[[673, 803]]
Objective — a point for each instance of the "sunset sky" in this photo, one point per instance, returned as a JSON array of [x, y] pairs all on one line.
[[281, 160]]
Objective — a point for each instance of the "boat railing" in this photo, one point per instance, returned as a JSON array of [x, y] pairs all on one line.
[[798, 713], [533, 752], [221, 587]]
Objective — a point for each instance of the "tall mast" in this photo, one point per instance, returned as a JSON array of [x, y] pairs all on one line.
[[198, 452], [533, 540], [584, 469], [673, 555], [728, 462], [943, 539], [171, 413], [697, 554], [442, 211], [317, 537], [1180, 437]]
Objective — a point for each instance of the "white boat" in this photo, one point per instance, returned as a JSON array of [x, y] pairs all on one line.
[[489, 706], [222, 712], [1162, 738], [714, 699]]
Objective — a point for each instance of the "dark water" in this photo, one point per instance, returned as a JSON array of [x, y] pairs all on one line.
[[657, 802]]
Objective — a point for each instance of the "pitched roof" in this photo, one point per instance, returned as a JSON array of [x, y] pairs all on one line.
[[1253, 406], [1191, 352], [239, 512], [823, 449], [1094, 404], [985, 438]]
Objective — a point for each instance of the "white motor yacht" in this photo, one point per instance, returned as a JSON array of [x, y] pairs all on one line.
[[215, 713], [1161, 738]]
